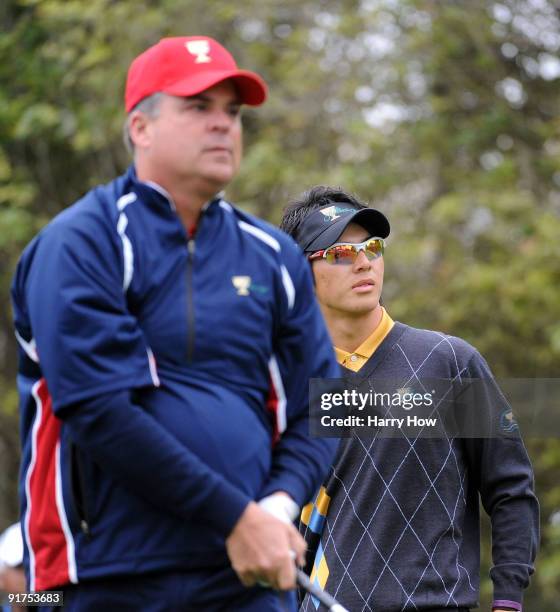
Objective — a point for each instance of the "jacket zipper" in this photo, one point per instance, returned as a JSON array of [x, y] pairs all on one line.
[[190, 301]]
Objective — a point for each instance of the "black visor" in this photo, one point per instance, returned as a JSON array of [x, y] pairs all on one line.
[[324, 226]]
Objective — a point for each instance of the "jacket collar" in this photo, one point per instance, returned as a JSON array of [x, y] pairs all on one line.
[[152, 192]]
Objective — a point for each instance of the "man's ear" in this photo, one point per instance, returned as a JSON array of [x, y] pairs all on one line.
[[139, 129]]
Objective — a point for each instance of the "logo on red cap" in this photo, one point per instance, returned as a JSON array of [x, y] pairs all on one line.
[[200, 48]]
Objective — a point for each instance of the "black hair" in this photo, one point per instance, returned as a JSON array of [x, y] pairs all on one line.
[[316, 197]]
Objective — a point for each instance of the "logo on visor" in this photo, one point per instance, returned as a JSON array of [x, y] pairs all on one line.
[[334, 212], [200, 48]]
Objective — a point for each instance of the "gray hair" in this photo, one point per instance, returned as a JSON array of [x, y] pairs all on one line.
[[149, 106]]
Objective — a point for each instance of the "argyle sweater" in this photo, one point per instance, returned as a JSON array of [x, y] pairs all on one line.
[[396, 525]]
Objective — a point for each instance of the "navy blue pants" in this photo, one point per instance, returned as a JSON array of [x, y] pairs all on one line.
[[174, 591]]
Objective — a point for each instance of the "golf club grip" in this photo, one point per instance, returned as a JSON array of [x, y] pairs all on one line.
[[326, 599]]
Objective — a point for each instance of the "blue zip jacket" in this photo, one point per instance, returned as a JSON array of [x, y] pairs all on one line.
[[163, 382]]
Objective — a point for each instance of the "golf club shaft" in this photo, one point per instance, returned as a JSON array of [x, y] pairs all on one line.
[[326, 599]]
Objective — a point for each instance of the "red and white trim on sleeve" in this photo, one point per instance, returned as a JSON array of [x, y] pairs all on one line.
[[52, 560], [276, 402]]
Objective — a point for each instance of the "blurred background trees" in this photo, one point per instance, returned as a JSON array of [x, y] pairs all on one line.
[[445, 114]]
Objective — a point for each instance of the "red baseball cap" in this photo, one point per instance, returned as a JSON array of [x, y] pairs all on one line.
[[185, 66]]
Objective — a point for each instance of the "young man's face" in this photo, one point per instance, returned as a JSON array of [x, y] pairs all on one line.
[[195, 140], [352, 289]]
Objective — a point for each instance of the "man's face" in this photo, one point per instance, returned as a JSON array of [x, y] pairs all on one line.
[[196, 140], [352, 289]]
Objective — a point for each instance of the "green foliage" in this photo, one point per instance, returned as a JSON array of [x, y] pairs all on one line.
[[440, 113]]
